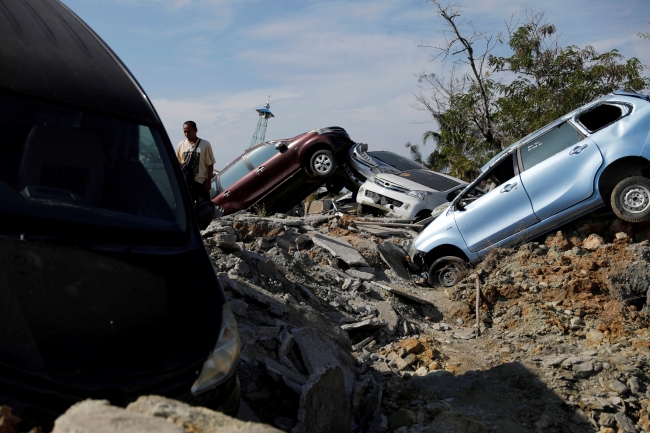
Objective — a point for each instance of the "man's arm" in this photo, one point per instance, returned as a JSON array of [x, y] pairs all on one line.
[[208, 182]]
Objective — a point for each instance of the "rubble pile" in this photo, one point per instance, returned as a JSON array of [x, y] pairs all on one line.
[[337, 337]]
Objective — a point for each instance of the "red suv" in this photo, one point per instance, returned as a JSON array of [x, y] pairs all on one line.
[[276, 175]]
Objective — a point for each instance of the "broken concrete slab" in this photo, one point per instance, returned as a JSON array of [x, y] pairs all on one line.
[[275, 306], [319, 352], [98, 416], [365, 325], [382, 232], [278, 371], [365, 276], [314, 220], [403, 293], [324, 406], [387, 314], [395, 258], [340, 250]]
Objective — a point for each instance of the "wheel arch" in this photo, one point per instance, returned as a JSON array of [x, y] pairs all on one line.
[[620, 169], [313, 148], [442, 251]]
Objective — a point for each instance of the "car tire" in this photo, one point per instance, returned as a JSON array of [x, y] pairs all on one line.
[[630, 199], [446, 271], [334, 186], [322, 163], [423, 214]]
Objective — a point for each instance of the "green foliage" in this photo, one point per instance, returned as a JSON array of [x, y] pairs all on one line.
[[644, 35], [552, 81], [501, 99]]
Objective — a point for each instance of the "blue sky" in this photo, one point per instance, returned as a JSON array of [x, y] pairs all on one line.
[[346, 63]]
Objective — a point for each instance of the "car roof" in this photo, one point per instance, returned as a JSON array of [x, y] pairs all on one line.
[[50, 53], [616, 96]]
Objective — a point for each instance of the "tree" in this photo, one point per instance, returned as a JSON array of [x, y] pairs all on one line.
[[547, 81], [462, 104], [477, 114], [644, 35]]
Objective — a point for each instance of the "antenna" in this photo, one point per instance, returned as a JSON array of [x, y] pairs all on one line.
[[264, 115]]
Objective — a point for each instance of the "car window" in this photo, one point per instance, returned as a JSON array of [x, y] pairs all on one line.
[[557, 139], [77, 166], [262, 154], [399, 162], [233, 173], [601, 116], [499, 173]]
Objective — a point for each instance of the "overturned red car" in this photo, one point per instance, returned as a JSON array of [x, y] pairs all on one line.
[[276, 175]]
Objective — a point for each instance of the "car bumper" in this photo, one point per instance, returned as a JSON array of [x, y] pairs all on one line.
[[392, 201]]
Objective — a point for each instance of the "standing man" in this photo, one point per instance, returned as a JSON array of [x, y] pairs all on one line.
[[197, 162]]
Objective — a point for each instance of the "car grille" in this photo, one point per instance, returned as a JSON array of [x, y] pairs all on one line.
[[383, 200], [390, 185]]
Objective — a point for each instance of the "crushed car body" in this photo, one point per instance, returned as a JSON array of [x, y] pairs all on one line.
[[411, 194], [276, 175], [594, 156]]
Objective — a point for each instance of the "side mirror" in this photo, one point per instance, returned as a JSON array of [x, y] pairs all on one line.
[[280, 145], [461, 205]]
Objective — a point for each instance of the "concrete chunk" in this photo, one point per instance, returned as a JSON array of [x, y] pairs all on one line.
[[364, 325], [404, 294], [340, 250], [192, 418], [324, 406], [319, 352], [395, 258], [365, 276], [98, 416], [389, 315]]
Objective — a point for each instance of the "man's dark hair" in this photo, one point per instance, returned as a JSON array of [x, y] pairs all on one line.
[[191, 123]]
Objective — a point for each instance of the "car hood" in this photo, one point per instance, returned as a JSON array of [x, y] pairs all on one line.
[[421, 180]]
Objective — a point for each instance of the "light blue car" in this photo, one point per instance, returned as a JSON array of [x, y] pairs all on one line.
[[595, 156]]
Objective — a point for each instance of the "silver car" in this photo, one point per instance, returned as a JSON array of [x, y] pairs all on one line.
[[359, 165], [595, 156], [411, 194]]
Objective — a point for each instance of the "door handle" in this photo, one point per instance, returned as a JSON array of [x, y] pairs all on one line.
[[576, 150], [508, 187], [226, 194], [259, 170]]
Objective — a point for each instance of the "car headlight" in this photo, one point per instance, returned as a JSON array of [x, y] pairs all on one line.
[[361, 191], [418, 194], [222, 361]]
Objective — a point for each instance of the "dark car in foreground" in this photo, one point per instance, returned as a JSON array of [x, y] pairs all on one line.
[[276, 175], [106, 288], [595, 156]]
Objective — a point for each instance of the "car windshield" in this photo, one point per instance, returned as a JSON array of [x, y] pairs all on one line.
[[399, 162], [430, 179], [65, 164]]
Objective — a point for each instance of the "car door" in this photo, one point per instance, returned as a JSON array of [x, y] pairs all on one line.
[[558, 169], [498, 214], [271, 167], [235, 187]]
